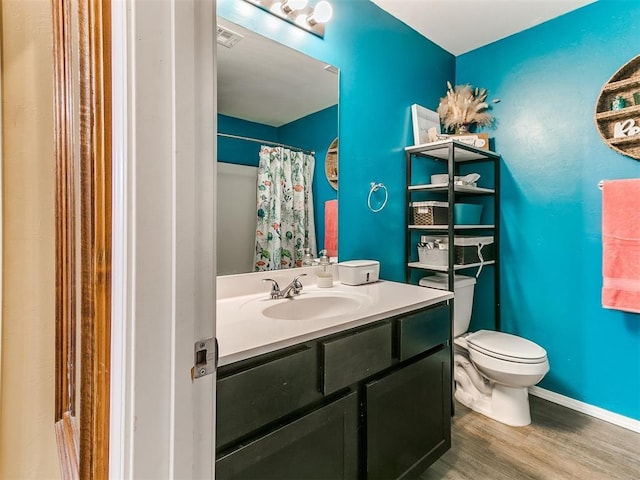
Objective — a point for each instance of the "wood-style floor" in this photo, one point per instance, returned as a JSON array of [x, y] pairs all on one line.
[[559, 444]]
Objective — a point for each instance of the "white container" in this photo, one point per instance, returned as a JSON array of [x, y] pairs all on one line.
[[434, 256], [440, 178], [443, 178], [358, 272], [324, 276], [468, 249]]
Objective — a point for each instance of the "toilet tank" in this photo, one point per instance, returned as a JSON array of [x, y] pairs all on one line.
[[463, 291]]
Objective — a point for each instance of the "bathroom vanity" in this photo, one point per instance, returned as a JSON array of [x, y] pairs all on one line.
[[362, 395]]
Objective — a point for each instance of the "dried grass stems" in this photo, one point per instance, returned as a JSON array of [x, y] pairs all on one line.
[[464, 105]]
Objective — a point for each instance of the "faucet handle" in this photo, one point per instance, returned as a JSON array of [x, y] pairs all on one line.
[[297, 284], [275, 288]]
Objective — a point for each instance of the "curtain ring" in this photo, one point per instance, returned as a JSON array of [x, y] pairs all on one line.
[[374, 188]]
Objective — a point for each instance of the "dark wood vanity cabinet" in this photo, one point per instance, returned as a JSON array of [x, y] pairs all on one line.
[[372, 402], [408, 416]]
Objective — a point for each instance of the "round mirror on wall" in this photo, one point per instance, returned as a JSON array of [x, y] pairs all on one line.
[[331, 164], [618, 109]]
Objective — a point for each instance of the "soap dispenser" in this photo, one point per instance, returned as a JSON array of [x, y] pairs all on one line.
[[308, 258], [323, 271]]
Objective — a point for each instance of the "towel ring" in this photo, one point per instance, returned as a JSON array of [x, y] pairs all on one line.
[[374, 188]]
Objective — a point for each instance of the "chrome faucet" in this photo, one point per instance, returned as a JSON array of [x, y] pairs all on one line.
[[294, 288]]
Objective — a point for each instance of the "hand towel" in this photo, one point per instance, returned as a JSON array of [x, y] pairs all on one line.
[[621, 245], [331, 227]]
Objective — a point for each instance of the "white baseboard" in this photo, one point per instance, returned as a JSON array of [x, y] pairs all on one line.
[[597, 412]]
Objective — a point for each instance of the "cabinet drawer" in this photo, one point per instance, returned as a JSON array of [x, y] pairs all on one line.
[[421, 331], [251, 398], [321, 445], [354, 357]]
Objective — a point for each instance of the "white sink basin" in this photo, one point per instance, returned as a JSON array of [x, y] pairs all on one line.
[[309, 306], [312, 307]]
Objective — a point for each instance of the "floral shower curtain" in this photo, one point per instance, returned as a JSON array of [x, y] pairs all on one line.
[[285, 224]]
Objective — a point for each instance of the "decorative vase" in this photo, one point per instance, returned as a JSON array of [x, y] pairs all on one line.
[[462, 129]]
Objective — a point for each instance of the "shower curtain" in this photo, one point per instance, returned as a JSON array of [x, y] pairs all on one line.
[[285, 225]]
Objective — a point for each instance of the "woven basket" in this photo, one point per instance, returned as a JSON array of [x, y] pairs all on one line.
[[430, 213]]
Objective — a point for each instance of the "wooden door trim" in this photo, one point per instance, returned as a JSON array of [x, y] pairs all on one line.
[[95, 213], [94, 47], [65, 211]]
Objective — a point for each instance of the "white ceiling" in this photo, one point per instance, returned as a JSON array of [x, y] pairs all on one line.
[[266, 82], [460, 26]]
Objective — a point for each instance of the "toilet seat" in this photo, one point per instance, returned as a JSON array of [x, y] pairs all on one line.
[[507, 359], [506, 347]]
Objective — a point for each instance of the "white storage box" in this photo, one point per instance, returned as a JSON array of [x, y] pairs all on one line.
[[467, 249], [358, 272], [434, 256]]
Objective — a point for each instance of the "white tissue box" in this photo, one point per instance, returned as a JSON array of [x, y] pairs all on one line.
[[358, 272]]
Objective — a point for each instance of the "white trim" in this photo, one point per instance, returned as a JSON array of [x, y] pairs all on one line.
[[164, 181], [578, 406], [117, 435]]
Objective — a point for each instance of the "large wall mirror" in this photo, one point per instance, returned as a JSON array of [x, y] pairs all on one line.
[[269, 95]]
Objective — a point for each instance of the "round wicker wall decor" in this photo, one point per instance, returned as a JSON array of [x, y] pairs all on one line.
[[331, 164], [617, 113]]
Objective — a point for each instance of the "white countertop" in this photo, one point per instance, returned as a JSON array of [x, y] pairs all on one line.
[[243, 332]]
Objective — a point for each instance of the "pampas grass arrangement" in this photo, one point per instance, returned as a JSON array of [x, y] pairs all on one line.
[[464, 106]]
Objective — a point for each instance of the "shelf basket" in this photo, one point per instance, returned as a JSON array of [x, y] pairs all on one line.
[[430, 213]]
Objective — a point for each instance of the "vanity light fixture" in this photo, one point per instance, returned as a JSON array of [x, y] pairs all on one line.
[[310, 18]]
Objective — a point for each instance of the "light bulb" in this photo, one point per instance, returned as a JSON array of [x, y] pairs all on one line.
[[276, 7], [291, 5], [322, 12], [301, 21]]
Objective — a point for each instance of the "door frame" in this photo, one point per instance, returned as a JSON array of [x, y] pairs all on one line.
[[147, 203], [163, 421], [83, 285]]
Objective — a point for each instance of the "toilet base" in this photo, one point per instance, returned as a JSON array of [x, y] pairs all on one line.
[[508, 405], [505, 404]]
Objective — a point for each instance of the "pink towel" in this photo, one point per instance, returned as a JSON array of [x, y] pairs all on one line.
[[621, 245], [331, 227]]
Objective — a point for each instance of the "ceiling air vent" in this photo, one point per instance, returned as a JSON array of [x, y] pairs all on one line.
[[227, 38]]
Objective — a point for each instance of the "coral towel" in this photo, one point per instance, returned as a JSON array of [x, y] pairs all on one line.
[[331, 227], [621, 245]]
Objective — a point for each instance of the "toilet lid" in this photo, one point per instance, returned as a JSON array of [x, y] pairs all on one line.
[[506, 347]]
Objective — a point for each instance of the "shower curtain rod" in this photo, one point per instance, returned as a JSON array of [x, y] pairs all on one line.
[[266, 142]]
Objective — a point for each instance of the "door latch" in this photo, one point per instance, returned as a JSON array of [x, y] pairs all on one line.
[[205, 357]]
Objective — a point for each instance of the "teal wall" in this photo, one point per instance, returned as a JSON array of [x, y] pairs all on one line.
[[548, 79], [241, 152], [384, 68]]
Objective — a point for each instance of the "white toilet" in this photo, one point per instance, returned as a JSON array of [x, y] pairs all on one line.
[[492, 370]]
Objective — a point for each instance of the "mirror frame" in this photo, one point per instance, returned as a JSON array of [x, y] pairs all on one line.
[[83, 445]]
